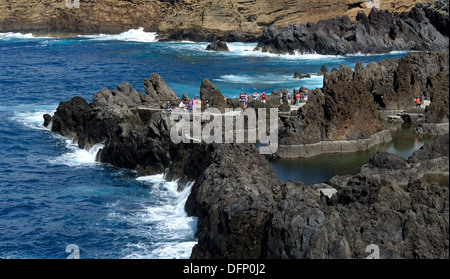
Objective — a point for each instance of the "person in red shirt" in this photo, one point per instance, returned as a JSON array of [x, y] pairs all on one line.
[[263, 97]]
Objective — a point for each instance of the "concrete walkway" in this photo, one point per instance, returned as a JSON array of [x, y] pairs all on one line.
[[296, 107]]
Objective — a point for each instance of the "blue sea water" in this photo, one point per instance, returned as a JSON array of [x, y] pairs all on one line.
[[53, 194]]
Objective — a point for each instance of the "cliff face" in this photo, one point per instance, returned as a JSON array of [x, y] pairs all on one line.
[[102, 16], [168, 17]]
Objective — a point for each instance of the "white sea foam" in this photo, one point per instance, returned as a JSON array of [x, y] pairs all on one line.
[[248, 79], [169, 230], [394, 52], [132, 35], [244, 48], [76, 156], [247, 49], [14, 35], [32, 119], [166, 250], [264, 79]]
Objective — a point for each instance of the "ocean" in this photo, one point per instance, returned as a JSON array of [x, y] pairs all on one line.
[[54, 195]]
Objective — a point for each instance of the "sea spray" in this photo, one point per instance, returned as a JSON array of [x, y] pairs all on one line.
[[169, 230], [33, 118], [132, 35], [78, 157], [75, 156]]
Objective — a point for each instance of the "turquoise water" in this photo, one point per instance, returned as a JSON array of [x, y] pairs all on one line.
[[53, 194]]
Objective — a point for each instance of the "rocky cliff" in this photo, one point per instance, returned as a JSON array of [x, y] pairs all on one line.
[[175, 16], [378, 32]]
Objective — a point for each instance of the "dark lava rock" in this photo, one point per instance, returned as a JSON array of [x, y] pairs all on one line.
[[426, 152], [69, 117], [322, 70], [134, 134], [437, 90], [232, 199], [343, 109], [158, 92], [47, 119], [244, 211], [347, 107], [388, 160], [218, 46], [301, 76], [437, 13], [379, 32], [211, 97]]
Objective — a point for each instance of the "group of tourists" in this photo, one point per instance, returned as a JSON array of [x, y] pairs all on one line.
[[243, 97], [191, 105], [297, 96], [196, 104]]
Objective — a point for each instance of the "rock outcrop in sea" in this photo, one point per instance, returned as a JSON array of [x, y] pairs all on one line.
[[131, 126], [218, 46], [379, 32]]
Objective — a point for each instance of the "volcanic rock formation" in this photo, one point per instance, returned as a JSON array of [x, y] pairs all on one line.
[[379, 32], [348, 106], [244, 211]]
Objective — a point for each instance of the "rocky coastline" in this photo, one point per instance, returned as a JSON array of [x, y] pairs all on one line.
[[348, 112], [249, 215], [243, 209], [378, 32], [200, 20]]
